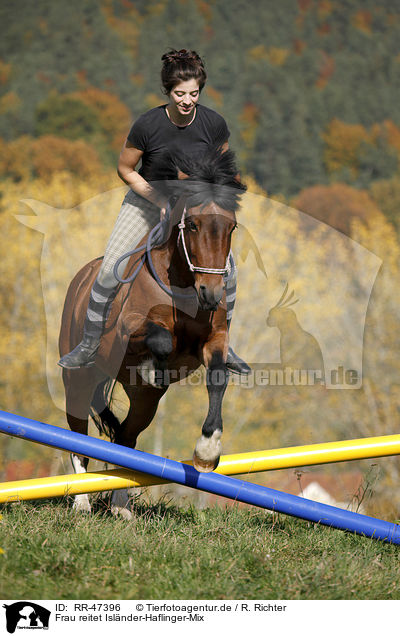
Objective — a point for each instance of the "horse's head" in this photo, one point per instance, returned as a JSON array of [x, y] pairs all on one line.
[[209, 190], [204, 241]]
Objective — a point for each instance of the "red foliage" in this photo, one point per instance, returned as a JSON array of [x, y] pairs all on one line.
[[362, 20], [337, 205], [299, 46], [26, 469], [326, 71], [20, 469], [304, 5], [324, 29]]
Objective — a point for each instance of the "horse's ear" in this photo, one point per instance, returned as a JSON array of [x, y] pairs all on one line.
[[182, 175]]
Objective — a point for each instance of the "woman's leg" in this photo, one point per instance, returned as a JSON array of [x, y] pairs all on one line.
[[233, 362], [136, 218]]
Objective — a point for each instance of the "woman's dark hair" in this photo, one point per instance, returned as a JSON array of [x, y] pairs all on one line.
[[181, 66]]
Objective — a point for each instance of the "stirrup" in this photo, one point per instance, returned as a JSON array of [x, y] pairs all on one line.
[[83, 355], [236, 364]]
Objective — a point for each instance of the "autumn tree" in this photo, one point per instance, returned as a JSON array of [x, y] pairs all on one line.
[[337, 205], [65, 116]]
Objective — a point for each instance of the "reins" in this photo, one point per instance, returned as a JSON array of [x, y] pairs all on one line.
[[155, 238]]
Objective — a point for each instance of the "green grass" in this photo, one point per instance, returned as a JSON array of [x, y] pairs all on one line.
[[167, 552]]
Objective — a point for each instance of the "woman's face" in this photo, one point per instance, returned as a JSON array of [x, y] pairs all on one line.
[[184, 96]]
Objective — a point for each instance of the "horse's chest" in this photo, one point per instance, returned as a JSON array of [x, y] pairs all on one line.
[[190, 336]]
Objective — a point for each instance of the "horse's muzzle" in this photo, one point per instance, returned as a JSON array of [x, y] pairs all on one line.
[[209, 298]]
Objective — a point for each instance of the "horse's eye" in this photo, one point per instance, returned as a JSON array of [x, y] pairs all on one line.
[[191, 225]]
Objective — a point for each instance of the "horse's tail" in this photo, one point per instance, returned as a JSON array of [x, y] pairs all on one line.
[[105, 420]]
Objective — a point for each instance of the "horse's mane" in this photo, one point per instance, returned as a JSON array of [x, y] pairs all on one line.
[[211, 176]]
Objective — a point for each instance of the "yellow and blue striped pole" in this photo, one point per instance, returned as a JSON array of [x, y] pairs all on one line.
[[238, 464]]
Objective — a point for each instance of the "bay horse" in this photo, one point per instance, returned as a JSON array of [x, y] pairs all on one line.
[[167, 322]]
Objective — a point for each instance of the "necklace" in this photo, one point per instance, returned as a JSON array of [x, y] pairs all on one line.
[[180, 125]]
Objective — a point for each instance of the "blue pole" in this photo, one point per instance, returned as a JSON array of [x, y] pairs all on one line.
[[221, 485]]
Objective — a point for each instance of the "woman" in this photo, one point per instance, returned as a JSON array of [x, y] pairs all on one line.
[[182, 126]]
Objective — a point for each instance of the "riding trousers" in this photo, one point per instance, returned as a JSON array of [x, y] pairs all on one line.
[[136, 218]]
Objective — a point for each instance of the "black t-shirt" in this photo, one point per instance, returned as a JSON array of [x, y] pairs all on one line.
[[158, 138]]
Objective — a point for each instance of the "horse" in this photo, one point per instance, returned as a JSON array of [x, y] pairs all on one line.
[[169, 320]]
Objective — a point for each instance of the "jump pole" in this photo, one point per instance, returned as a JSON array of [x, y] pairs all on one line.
[[237, 464], [221, 485]]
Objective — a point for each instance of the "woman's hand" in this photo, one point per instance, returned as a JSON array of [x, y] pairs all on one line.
[[128, 160], [165, 210]]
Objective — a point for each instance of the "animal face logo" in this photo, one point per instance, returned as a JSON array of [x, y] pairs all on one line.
[[278, 313], [26, 615]]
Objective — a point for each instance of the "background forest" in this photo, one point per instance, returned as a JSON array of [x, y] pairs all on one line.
[[310, 90]]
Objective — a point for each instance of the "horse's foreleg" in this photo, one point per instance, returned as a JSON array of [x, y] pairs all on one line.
[[159, 343], [143, 406], [208, 447]]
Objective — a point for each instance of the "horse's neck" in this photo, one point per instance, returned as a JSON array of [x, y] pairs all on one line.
[[169, 264]]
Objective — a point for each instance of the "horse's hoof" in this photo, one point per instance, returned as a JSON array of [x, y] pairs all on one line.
[[82, 503], [204, 466], [124, 513]]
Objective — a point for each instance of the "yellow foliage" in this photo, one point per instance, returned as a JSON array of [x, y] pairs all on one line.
[[156, 8], [275, 55], [249, 120], [152, 100], [137, 79], [204, 9], [328, 272], [44, 156], [52, 154], [342, 143], [9, 103], [362, 20], [389, 131], [128, 27], [33, 283], [215, 95], [258, 52], [5, 72], [324, 8], [114, 117]]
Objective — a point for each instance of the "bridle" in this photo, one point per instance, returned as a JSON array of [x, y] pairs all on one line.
[[156, 237], [193, 268]]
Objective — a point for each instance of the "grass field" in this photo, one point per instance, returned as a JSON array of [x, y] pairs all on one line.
[[167, 552]]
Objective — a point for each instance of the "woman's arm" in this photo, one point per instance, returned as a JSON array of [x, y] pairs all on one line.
[[128, 160]]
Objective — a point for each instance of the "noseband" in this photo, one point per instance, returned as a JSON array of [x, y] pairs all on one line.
[[193, 268]]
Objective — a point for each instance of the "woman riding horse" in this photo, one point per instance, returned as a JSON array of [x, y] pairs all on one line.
[[183, 126]]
